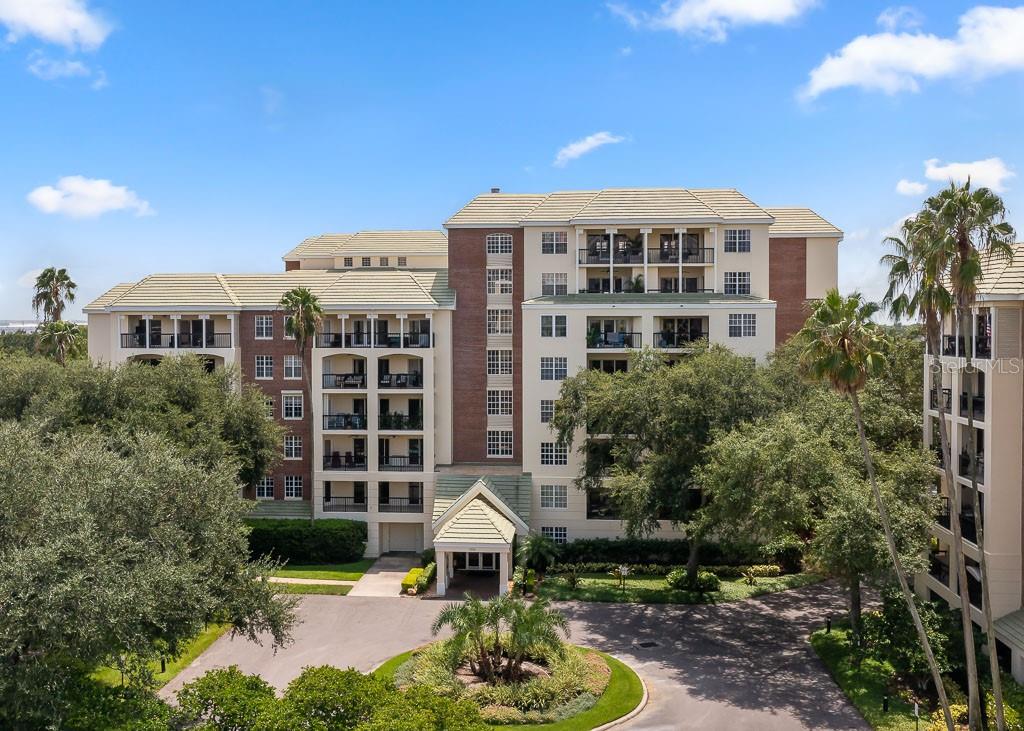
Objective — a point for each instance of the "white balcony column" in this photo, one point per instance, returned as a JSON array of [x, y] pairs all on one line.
[[441, 558], [371, 322], [401, 329], [149, 322], [205, 319], [679, 265], [646, 232], [578, 232], [430, 324], [714, 254], [611, 258], [341, 324], [504, 563], [175, 330], [233, 327], [974, 334]]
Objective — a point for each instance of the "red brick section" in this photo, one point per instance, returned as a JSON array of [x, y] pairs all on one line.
[[279, 347], [467, 275], [787, 285], [290, 266]]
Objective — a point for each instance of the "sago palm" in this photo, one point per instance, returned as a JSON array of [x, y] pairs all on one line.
[[60, 339], [971, 228], [843, 346], [53, 289]]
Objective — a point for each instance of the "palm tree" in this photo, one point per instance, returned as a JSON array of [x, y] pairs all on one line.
[[54, 289], [843, 346], [532, 628], [61, 339], [917, 289], [303, 315], [971, 224], [538, 552], [470, 622]]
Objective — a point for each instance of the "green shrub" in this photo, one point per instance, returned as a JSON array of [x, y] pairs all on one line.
[[226, 699], [427, 557], [303, 542], [705, 582], [765, 570], [676, 579], [787, 552], [98, 707], [571, 574], [427, 576], [411, 579], [419, 709], [329, 698], [661, 552]]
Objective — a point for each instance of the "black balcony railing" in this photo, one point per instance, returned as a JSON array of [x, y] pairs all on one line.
[[377, 340], [968, 527], [594, 256], [400, 505], [400, 380], [139, 340], [983, 346], [965, 466], [938, 566], [678, 340], [344, 380], [400, 463], [347, 461], [629, 256], [977, 404], [942, 517], [941, 403], [950, 343], [684, 256], [400, 422], [613, 340], [212, 340], [342, 422], [344, 505]]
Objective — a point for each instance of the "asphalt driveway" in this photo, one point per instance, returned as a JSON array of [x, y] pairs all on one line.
[[736, 666]]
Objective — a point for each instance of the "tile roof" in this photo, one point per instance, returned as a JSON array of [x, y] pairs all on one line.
[[477, 522], [498, 209], [560, 206], [427, 288], [730, 204], [796, 221], [515, 491], [372, 243], [1000, 276]]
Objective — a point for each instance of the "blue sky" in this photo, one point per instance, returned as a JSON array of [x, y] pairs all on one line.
[[142, 137]]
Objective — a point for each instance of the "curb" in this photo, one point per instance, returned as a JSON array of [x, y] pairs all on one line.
[[639, 707]]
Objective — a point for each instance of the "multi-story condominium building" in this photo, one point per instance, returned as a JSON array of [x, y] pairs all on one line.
[[423, 406], [997, 407]]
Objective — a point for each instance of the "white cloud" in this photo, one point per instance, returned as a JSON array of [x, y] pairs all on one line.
[[80, 197], [903, 16], [991, 172], [48, 69], [69, 23], [626, 51], [989, 41], [713, 19], [581, 147], [271, 99], [28, 279], [910, 187]]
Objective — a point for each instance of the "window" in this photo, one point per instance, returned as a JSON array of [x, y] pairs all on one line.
[[553, 368], [558, 533], [292, 405], [554, 496], [293, 487], [293, 447], [737, 282], [347, 261], [499, 402], [499, 444], [264, 367], [499, 243], [366, 261], [554, 284], [737, 239], [742, 326], [265, 488], [264, 327], [499, 362], [384, 261], [499, 322], [553, 242], [289, 331], [292, 366], [552, 326], [547, 411], [553, 453], [499, 281], [403, 261]]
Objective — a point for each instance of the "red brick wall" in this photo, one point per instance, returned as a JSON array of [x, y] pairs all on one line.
[[290, 266], [279, 347], [467, 275], [787, 285]]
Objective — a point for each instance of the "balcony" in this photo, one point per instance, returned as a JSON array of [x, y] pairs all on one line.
[[599, 340], [594, 256], [941, 404], [950, 343], [344, 380], [977, 406], [345, 462], [344, 422], [400, 380], [378, 340], [212, 340], [942, 517], [675, 256], [344, 505], [968, 526], [400, 422], [678, 340], [982, 345], [184, 340], [938, 566], [400, 463], [965, 466], [400, 505]]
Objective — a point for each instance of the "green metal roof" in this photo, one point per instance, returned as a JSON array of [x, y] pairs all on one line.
[[1010, 629], [648, 298], [515, 491], [477, 522]]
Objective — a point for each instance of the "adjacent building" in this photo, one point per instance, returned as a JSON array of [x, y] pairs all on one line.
[[423, 406]]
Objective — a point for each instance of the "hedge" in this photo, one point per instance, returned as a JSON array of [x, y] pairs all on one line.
[[426, 576], [303, 542], [726, 572], [657, 551], [411, 579]]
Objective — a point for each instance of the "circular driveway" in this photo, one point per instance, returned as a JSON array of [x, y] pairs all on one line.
[[736, 666]]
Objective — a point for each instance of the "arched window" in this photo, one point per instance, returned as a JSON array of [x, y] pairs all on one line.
[[499, 243]]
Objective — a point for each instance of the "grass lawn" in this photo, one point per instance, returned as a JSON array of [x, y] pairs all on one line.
[[193, 649], [653, 589], [866, 685], [623, 694], [334, 571], [335, 589]]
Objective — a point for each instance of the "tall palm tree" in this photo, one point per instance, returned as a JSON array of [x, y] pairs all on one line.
[[918, 290], [54, 289], [532, 627], [971, 226], [60, 339], [303, 315], [843, 346]]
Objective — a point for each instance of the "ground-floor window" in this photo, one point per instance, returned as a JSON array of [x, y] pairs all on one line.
[[559, 534], [265, 488], [293, 486]]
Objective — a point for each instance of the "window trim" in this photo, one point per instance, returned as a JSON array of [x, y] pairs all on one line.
[[543, 402], [256, 327], [740, 245], [557, 452], [499, 320], [499, 361], [296, 437], [500, 434], [256, 367], [302, 487], [746, 322], [262, 483], [557, 247], [503, 399], [558, 280], [284, 405], [554, 367], [295, 359], [740, 284], [554, 318], [498, 285], [500, 241], [554, 497], [549, 531]]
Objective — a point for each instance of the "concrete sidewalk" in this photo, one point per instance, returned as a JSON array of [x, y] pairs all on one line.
[[291, 580], [384, 578]]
